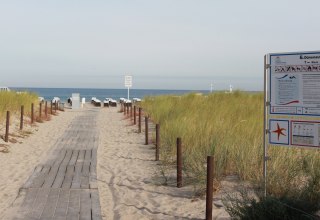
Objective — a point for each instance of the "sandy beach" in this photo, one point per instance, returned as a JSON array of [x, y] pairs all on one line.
[[128, 178]]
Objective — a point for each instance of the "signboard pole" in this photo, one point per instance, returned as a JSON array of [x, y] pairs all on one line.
[[265, 129], [128, 93]]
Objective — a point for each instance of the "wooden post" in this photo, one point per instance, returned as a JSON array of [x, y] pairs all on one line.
[[46, 109], [21, 117], [55, 106], [179, 163], [134, 115], [128, 106], [124, 108], [6, 137], [210, 160], [146, 129], [139, 123], [157, 141], [40, 109], [32, 113], [51, 107], [130, 112]]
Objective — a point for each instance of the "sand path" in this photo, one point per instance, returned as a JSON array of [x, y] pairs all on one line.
[[128, 177]]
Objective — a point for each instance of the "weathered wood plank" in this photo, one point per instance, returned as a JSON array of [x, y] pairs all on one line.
[[38, 181], [62, 205], [50, 207], [85, 175], [85, 205], [30, 197], [35, 174], [40, 202], [74, 205], [51, 177], [74, 157], [87, 156], [93, 177], [95, 205], [68, 177], [60, 177]]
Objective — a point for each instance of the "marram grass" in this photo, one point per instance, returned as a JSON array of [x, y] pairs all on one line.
[[230, 127], [12, 101]]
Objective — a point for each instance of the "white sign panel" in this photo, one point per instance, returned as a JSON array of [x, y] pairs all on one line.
[[293, 115], [128, 81], [295, 84]]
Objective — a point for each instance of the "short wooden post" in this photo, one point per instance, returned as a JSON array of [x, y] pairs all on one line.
[[55, 106], [157, 141], [210, 160], [21, 117], [32, 113], [139, 122], [51, 107], [6, 137], [134, 115], [124, 108], [130, 112], [128, 108], [46, 109], [146, 129], [40, 109], [179, 163]]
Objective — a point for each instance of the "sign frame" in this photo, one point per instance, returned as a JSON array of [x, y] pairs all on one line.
[[291, 86]]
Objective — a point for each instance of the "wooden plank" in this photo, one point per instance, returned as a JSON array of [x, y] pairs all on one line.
[[35, 174], [62, 170], [85, 176], [93, 177], [85, 205], [40, 202], [74, 157], [81, 156], [61, 156], [67, 158], [30, 197], [57, 183], [54, 169], [68, 177], [39, 180], [51, 204], [94, 157], [62, 205], [95, 205], [51, 177], [74, 205]]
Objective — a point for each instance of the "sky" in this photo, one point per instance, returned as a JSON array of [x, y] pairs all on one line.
[[164, 44]]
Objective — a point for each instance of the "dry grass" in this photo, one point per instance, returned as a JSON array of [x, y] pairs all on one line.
[[12, 101], [230, 127]]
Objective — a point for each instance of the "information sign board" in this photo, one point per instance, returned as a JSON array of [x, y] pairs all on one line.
[[293, 99], [128, 81]]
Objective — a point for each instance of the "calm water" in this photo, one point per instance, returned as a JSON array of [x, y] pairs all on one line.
[[65, 93]]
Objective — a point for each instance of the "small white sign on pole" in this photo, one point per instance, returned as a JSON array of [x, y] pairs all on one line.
[[128, 83]]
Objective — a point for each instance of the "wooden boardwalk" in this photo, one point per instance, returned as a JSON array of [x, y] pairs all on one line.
[[65, 185]]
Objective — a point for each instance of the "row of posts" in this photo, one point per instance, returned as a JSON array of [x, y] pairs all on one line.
[[6, 137], [127, 109]]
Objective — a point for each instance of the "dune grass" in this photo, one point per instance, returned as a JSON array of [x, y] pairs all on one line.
[[230, 127], [12, 101]]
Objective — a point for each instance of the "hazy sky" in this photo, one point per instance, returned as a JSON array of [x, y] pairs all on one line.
[[164, 44]]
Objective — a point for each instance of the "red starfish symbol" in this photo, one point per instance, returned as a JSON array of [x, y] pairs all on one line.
[[279, 131]]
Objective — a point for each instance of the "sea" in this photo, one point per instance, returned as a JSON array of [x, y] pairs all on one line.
[[65, 93]]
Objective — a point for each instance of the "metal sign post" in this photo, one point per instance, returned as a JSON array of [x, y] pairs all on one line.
[[128, 83], [291, 102]]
